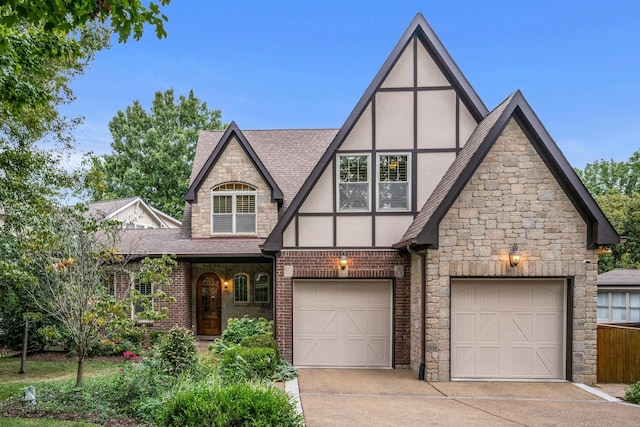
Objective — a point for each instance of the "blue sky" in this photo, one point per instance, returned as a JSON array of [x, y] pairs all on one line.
[[285, 64]]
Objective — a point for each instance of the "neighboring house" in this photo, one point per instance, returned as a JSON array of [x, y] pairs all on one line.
[[386, 243], [619, 296], [134, 213]]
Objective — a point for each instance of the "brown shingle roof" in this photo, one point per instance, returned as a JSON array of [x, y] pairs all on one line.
[[169, 241], [107, 207], [620, 276], [289, 155]]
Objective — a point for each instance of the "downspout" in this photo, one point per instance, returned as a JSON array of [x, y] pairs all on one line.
[[423, 302], [273, 291]]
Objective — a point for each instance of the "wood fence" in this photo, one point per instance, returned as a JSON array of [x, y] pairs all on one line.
[[618, 354]]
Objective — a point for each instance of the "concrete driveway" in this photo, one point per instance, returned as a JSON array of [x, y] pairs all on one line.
[[363, 397]]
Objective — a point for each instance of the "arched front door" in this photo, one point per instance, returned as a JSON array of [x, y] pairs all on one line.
[[208, 304]]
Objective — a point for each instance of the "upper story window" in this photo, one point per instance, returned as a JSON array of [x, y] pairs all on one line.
[[353, 183], [618, 306], [393, 182], [234, 209]]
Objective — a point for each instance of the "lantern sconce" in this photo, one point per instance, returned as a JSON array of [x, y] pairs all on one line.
[[343, 260], [514, 256], [226, 285]]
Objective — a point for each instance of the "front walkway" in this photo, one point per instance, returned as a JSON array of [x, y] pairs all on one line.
[[363, 397]]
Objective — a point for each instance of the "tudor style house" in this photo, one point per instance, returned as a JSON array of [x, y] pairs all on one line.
[[133, 213], [386, 243]]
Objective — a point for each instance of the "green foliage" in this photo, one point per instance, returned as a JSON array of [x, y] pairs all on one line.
[[261, 340], [178, 350], [125, 16], [152, 152], [624, 213], [248, 363], [632, 393], [239, 329], [12, 326], [241, 404]]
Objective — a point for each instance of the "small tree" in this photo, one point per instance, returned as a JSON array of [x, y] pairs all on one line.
[[72, 253]]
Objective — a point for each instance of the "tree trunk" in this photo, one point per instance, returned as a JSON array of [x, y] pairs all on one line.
[[80, 369], [25, 344]]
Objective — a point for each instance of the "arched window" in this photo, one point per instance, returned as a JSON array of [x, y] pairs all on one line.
[[241, 288], [234, 209]]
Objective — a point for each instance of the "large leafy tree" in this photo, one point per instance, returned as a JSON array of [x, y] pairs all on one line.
[[126, 16], [153, 151], [71, 254], [616, 188]]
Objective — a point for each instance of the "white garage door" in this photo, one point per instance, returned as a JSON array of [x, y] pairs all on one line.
[[342, 323], [508, 329]]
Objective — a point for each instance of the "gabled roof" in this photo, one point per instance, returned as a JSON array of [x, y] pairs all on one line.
[[110, 208], [233, 131], [423, 232], [620, 277], [420, 29], [288, 154]]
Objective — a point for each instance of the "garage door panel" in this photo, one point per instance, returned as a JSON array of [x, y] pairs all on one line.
[[351, 323], [521, 338]]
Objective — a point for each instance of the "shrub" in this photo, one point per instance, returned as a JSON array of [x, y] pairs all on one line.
[[238, 404], [178, 350], [248, 363], [633, 393], [239, 329], [156, 336], [261, 340]]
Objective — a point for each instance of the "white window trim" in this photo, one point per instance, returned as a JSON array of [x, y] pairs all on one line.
[[408, 207], [338, 182], [609, 292], [268, 289], [245, 275], [233, 195]]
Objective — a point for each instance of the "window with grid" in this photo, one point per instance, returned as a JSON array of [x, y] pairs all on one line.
[[261, 288], [241, 288], [353, 183], [234, 209], [618, 306], [393, 182], [144, 289]]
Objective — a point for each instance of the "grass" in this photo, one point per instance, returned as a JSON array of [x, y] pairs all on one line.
[[40, 371], [40, 422]]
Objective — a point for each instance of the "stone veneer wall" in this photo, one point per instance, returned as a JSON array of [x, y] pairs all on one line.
[[233, 166], [512, 198], [230, 308], [316, 264]]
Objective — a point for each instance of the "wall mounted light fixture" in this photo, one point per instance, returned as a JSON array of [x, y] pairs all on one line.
[[514, 256], [226, 285], [343, 260]]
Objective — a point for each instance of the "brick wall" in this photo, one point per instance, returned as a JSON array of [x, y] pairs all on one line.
[[291, 265], [180, 288], [233, 166], [511, 198]]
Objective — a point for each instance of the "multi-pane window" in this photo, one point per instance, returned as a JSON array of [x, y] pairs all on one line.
[[234, 209], [111, 284], [618, 306], [261, 288], [353, 183], [393, 182], [144, 289], [241, 288]]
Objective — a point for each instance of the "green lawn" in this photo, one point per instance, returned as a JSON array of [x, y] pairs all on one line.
[[39, 371]]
